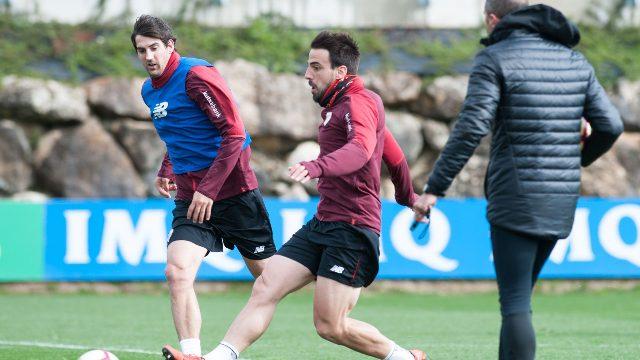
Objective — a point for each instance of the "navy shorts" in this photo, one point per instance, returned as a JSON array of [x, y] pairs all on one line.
[[240, 221], [336, 250]]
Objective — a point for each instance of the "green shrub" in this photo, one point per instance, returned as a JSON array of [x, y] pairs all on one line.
[[75, 52]]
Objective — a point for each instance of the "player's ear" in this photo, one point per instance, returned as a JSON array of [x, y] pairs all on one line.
[[341, 72]]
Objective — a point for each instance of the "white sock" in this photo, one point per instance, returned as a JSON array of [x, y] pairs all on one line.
[[398, 353], [190, 347], [224, 351]]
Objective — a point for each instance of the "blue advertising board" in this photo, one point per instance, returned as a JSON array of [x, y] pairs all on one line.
[[126, 240]]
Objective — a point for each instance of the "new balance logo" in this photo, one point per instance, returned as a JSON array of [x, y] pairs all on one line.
[[327, 118], [259, 249], [160, 110], [337, 269]]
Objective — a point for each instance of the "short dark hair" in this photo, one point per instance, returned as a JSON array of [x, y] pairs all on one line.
[[343, 49], [151, 26], [500, 8]]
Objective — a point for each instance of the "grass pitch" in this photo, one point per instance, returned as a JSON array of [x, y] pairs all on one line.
[[577, 325]]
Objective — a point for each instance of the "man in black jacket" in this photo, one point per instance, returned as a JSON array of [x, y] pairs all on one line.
[[531, 91]]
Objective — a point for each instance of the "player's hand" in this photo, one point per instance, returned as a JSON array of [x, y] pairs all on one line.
[[200, 208], [585, 131], [164, 185], [424, 203], [299, 173]]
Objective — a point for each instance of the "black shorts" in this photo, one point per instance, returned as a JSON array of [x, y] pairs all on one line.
[[239, 221], [336, 250]]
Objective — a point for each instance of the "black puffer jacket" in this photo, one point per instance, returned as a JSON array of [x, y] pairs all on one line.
[[530, 90]]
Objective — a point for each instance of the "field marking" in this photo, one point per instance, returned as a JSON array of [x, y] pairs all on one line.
[[76, 347], [80, 347]]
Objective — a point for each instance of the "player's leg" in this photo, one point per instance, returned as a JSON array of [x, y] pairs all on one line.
[[342, 273], [280, 277], [256, 267], [183, 260], [514, 258], [293, 267], [332, 304], [542, 255], [243, 222]]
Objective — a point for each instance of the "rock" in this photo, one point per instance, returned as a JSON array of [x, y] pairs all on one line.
[[269, 170], [117, 97], [435, 134], [294, 192], [421, 169], [44, 101], [272, 104], [85, 161], [305, 151], [407, 129], [470, 181], [30, 196], [395, 88], [287, 108], [243, 78], [141, 142], [15, 159], [626, 97], [443, 98], [606, 177], [275, 146], [627, 151], [387, 189]]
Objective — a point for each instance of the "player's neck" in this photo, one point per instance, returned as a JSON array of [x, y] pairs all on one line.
[[172, 64]]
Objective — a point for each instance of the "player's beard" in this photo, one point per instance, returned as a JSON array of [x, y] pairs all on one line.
[[319, 94]]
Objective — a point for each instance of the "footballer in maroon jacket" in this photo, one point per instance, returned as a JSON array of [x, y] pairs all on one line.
[[339, 247]]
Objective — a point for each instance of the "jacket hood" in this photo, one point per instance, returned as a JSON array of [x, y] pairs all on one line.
[[544, 20]]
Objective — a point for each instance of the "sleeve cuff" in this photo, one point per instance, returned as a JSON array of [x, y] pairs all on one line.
[[313, 168], [429, 189]]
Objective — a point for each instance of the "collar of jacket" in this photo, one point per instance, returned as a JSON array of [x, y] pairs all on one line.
[[335, 91], [541, 20], [172, 65]]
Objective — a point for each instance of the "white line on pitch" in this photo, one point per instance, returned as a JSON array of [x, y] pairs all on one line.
[[78, 347], [75, 347]]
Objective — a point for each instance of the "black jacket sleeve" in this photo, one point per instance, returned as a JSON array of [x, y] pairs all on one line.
[[474, 122], [604, 119]]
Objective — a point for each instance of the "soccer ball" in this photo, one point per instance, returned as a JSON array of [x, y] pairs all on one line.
[[97, 355]]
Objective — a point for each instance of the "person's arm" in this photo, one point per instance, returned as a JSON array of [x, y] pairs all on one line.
[[166, 168], [606, 125], [361, 124], [206, 87], [165, 180], [474, 122], [396, 162]]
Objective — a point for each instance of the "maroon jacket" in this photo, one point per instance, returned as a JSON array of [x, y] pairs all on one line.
[[230, 173], [353, 142]]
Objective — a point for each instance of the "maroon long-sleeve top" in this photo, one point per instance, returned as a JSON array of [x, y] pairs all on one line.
[[353, 142], [230, 173]]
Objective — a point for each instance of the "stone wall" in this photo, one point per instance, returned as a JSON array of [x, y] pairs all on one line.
[[96, 140]]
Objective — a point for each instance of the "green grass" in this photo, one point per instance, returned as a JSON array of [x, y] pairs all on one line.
[[579, 325]]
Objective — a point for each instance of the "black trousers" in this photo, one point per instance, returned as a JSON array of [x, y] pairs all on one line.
[[518, 260]]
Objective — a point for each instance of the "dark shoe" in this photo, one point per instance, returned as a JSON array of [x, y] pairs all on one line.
[[170, 353]]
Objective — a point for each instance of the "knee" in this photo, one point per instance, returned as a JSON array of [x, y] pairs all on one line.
[[262, 293], [515, 302], [333, 331], [177, 276]]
